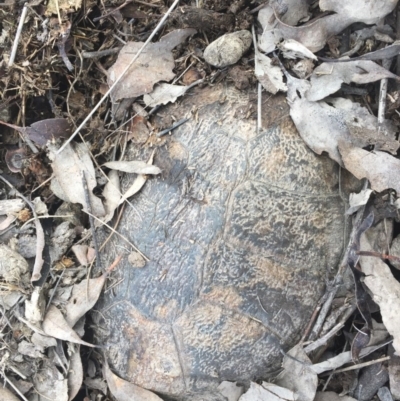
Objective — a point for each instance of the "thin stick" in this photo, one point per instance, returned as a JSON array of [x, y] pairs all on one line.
[[382, 98], [156, 29], [360, 365], [17, 35], [13, 386]]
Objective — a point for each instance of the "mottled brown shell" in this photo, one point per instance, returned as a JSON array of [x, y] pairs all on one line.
[[241, 230]]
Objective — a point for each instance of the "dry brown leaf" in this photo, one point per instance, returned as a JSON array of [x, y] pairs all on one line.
[[133, 166], [385, 290], [269, 75], [163, 94], [299, 378], [328, 77], [154, 64], [381, 169], [267, 392], [55, 325], [126, 391], [68, 167], [7, 395], [83, 298], [75, 374]]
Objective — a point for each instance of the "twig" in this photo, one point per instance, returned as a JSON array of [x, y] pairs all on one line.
[[324, 339], [17, 35], [360, 365], [156, 29], [101, 53], [382, 97], [120, 235], [176, 125], [13, 386]]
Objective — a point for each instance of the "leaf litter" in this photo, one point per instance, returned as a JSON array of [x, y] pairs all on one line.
[[332, 105]]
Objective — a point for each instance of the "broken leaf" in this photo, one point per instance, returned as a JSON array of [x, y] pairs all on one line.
[[123, 390], [133, 166], [55, 325], [270, 76], [358, 200], [327, 78], [154, 64], [163, 94], [68, 167], [381, 169], [230, 390], [298, 375]]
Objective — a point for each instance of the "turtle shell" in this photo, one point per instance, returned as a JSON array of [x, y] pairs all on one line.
[[241, 230]]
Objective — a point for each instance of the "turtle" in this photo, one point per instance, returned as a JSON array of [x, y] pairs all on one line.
[[240, 232]]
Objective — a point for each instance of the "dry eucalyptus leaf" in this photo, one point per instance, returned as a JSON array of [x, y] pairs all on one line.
[[299, 378], [112, 195], [327, 78], [163, 94], [137, 184], [381, 169], [385, 291], [7, 395], [269, 76], [315, 34], [75, 374], [282, 392], [68, 167], [369, 12], [292, 49], [55, 325], [83, 298], [324, 124], [133, 166], [154, 64], [123, 390]]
